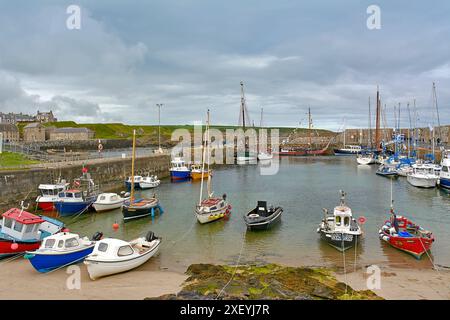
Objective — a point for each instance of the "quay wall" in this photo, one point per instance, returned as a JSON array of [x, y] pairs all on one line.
[[109, 174]]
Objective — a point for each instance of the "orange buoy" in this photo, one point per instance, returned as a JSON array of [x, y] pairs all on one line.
[[115, 226]]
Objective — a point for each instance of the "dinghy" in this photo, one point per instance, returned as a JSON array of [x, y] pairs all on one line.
[[261, 217], [404, 235], [60, 250], [109, 201], [112, 256], [340, 230]]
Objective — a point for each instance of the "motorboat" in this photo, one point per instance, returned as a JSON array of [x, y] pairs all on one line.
[[261, 217], [149, 182], [136, 180], [60, 250], [387, 171], [265, 156], [340, 229], [48, 194], [109, 201], [112, 256], [366, 158], [197, 172], [179, 170], [444, 176], [21, 231], [424, 175], [404, 235], [348, 150]]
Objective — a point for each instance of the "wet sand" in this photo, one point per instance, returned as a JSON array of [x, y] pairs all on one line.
[[404, 283], [18, 280]]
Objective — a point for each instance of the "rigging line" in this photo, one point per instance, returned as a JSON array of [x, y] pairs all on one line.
[[235, 268]]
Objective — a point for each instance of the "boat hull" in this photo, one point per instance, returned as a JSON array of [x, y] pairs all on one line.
[[98, 269], [444, 183], [132, 212], [7, 250], [204, 218], [101, 207], [47, 262], [128, 185], [340, 152], [365, 160], [66, 209], [46, 206], [338, 240], [198, 175], [413, 246], [422, 183], [265, 223], [180, 175], [148, 185]]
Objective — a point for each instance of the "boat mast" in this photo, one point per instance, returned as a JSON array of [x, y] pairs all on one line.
[[377, 129], [261, 121], [437, 110], [242, 105], [409, 131], [203, 161], [344, 132], [309, 126], [369, 136], [133, 155], [208, 153]]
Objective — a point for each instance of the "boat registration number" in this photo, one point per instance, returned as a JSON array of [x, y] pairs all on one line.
[[338, 237]]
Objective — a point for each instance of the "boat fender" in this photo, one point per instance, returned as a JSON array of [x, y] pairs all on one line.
[[229, 207], [97, 236], [253, 215], [224, 196], [150, 236]]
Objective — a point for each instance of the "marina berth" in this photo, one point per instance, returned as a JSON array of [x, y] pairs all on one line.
[[21, 231], [60, 250], [340, 229], [262, 218], [112, 256]]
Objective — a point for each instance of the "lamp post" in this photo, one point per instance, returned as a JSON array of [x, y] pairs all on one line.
[[159, 105]]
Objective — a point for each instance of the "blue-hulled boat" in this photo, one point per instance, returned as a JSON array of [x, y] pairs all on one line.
[[61, 250], [137, 181], [78, 200], [387, 171], [179, 170], [444, 177]]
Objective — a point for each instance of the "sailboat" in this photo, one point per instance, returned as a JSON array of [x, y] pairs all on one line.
[[347, 150], [263, 154], [243, 119], [138, 208], [367, 157], [310, 150], [211, 208]]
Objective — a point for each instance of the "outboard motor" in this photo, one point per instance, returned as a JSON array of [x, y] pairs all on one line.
[[97, 236], [150, 236]]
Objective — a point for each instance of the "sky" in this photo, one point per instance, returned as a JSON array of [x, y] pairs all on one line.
[[190, 55]]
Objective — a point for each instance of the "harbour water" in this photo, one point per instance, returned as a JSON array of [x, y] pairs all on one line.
[[303, 186]]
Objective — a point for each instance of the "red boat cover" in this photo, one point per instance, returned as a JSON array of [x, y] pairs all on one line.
[[22, 216]]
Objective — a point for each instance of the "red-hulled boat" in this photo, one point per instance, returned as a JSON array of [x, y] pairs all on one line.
[[22, 231], [404, 235]]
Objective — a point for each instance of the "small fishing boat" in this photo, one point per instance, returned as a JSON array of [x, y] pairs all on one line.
[[136, 179], [79, 199], [109, 201], [112, 256], [261, 217], [138, 208], [291, 151], [366, 158], [404, 235], [387, 171], [48, 194], [444, 177], [348, 150], [265, 156], [60, 250], [149, 182], [340, 230], [179, 170], [423, 175], [211, 208], [197, 172], [21, 231]]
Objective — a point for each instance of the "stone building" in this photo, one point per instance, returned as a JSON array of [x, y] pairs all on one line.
[[10, 132], [70, 133], [34, 132], [45, 117], [14, 118]]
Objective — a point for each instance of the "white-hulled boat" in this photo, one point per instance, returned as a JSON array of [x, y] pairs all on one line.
[[348, 150], [149, 182], [265, 156], [109, 201], [112, 256], [423, 175], [366, 159]]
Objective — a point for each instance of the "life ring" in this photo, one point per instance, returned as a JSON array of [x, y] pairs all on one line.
[[362, 219], [253, 215]]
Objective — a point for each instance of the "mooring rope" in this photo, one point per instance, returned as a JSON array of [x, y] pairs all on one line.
[[343, 258], [14, 257], [235, 268]]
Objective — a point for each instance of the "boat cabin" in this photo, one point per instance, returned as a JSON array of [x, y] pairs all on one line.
[[212, 204], [342, 219], [108, 197], [61, 241], [112, 248], [52, 189], [21, 225], [178, 163], [137, 179], [71, 195]]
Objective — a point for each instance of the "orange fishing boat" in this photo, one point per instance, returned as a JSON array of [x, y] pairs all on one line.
[[197, 172]]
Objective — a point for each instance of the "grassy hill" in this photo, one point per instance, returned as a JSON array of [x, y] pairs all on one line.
[[123, 131]]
